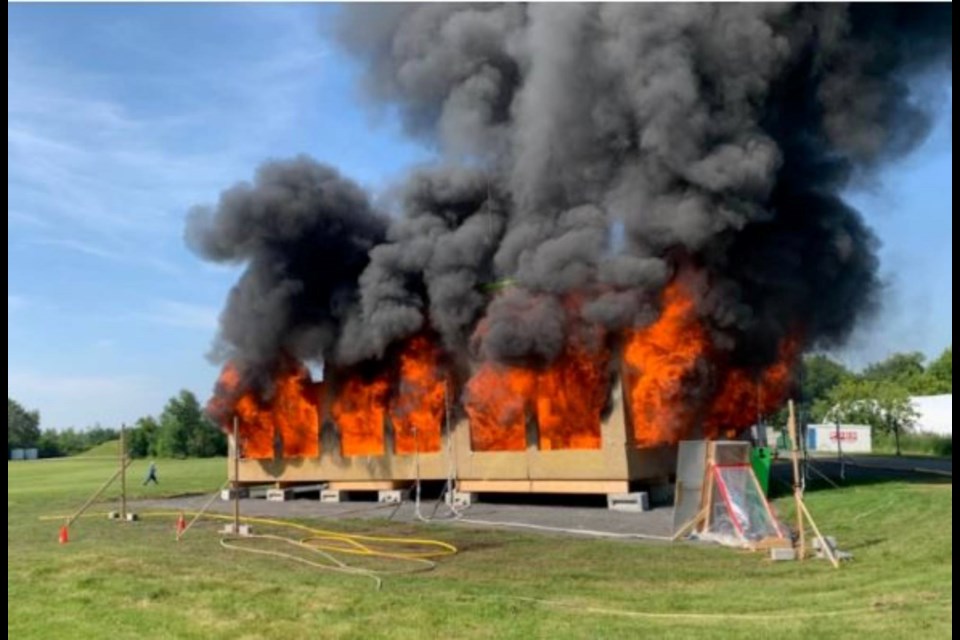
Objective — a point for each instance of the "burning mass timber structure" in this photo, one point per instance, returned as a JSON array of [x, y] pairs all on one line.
[[662, 187], [380, 454], [584, 423]]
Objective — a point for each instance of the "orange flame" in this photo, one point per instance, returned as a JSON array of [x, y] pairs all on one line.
[[291, 414], [359, 409], [417, 410], [566, 397], [675, 383], [571, 394], [742, 395], [659, 360], [498, 400]]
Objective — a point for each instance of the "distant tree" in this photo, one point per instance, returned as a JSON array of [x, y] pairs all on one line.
[[206, 440], [939, 374], [174, 426], [819, 376], [883, 405], [903, 369], [72, 441], [143, 438], [186, 431], [23, 427], [49, 444], [98, 435]]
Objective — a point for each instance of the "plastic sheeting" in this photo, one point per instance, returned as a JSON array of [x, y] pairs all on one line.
[[739, 511]]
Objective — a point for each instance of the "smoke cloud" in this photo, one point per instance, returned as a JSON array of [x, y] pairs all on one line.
[[588, 150], [304, 234]]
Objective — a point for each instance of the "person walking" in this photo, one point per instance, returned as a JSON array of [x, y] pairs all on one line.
[[151, 474]]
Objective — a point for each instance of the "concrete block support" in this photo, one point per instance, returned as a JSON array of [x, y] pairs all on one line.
[[637, 501]]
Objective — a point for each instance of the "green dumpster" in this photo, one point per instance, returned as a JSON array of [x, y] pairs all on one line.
[[760, 460]]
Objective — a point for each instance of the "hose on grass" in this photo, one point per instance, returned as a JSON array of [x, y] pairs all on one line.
[[328, 544], [579, 608]]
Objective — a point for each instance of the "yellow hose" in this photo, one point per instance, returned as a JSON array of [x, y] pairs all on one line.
[[444, 548], [325, 543]]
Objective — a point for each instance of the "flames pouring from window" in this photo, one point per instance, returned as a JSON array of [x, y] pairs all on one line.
[[676, 382], [676, 385]]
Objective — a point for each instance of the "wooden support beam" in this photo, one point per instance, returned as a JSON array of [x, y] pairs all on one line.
[[797, 490]]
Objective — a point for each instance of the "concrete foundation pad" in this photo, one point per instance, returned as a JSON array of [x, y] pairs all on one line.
[[460, 499], [279, 495], [832, 542], [331, 496], [115, 515], [787, 553], [393, 496], [228, 494], [243, 530], [637, 501]]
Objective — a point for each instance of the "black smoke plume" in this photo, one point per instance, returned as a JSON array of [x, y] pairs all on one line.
[[590, 149], [304, 234]]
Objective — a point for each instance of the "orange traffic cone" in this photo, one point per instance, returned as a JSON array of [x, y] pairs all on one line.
[[181, 525], [64, 535]]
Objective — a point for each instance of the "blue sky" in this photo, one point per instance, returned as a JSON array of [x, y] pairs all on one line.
[[121, 117]]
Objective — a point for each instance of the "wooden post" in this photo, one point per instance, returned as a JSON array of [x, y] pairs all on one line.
[[827, 550], [203, 509], [690, 525], [236, 475], [798, 499], [123, 474], [452, 454], [96, 495], [896, 431], [705, 501], [836, 423]]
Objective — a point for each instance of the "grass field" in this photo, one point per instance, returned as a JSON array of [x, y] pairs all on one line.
[[135, 581]]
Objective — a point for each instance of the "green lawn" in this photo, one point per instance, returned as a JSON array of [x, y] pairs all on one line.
[[135, 581]]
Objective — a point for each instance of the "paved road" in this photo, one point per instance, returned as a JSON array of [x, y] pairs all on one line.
[[655, 523], [870, 468], [548, 519]]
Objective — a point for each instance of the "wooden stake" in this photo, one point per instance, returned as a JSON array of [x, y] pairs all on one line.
[[203, 509], [95, 495], [236, 476], [690, 524], [123, 475], [708, 487], [823, 541], [798, 498]]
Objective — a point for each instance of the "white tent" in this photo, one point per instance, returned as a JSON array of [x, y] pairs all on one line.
[[936, 414]]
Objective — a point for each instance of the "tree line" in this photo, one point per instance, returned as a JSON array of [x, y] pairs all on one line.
[[182, 430], [879, 396]]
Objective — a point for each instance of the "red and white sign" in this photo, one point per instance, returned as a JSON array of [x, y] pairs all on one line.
[[843, 436], [849, 438]]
